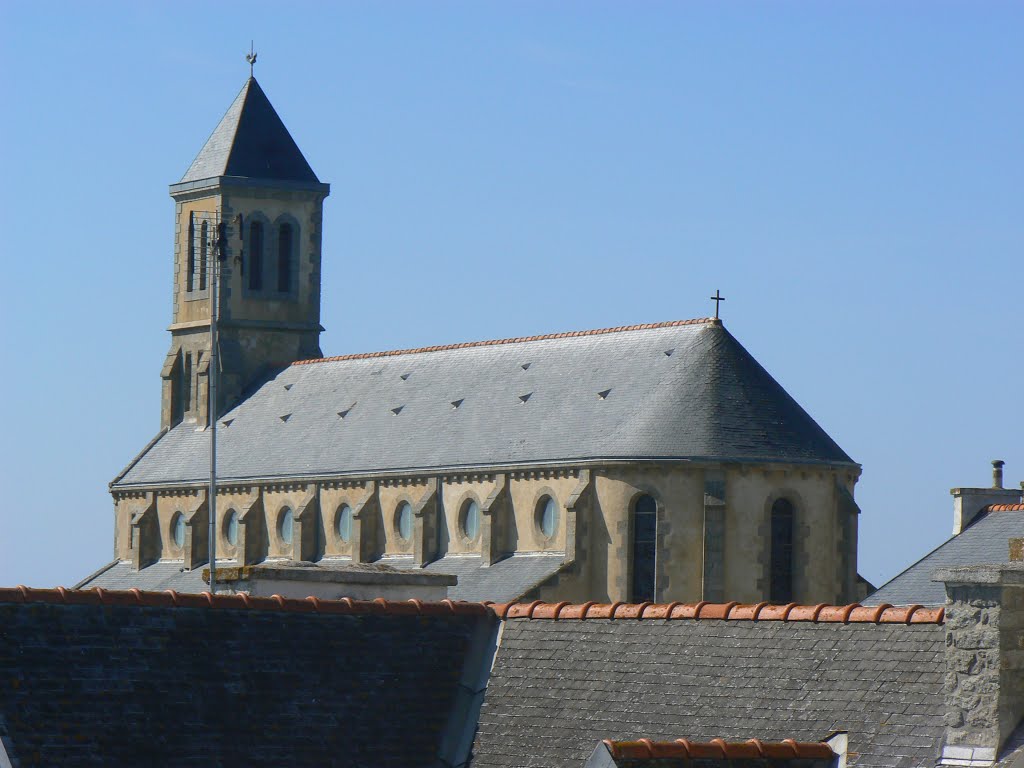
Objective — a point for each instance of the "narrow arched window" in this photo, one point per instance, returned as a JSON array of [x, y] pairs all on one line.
[[204, 239], [284, 258], [645, 541], [256, 256], [191, 272], [780, 588]]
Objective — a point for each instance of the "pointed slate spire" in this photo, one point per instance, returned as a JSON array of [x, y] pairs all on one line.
[[251, 141]]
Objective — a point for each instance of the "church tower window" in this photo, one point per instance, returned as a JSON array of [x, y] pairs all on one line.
[[781, 576], [645, 541], [191, 269], [284, 258], [256, 256], [204, 239]]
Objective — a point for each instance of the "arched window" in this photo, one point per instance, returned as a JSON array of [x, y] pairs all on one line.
[[645, 542], [256, 256], [547, 517], [191, 273], [231, 527], [343, 523], [470, 520], [780, 589], [284, 526], [284, 258], [178, 530], [403, 521], [204, 239]]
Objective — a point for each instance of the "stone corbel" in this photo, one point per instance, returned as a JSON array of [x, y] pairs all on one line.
[[250, 524], [365, 519], [425, 525], [305, 523], [493, 519], [145, 534], [197, 532], [573, 512]]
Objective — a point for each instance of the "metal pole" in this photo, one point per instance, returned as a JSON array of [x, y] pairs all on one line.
[[212, 496]]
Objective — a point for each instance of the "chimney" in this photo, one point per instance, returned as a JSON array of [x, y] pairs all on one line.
[[984, 686], [968, 503]]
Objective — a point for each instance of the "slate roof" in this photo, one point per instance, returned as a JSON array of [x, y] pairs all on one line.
[[124, 679], [165, 574], [985, 540], [506, 580], [668, 391], [251, 142], [558, 687]]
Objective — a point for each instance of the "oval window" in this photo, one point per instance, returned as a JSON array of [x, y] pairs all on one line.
[[344, 522], [231, 527], [547, 516], [178, 529], [284, 525], [470, 522], [403, 521]]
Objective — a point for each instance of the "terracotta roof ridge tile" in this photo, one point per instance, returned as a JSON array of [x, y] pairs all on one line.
[[510, 340], [645, 749], [852, 613], [1005, 508], [172, 599]]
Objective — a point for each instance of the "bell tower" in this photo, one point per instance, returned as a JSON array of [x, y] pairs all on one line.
[[248, 213]]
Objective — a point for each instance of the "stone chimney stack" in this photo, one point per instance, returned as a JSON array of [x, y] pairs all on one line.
[[968, 503], [984, 660]]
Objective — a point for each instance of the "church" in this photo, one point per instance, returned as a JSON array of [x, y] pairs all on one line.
[[657, 462]]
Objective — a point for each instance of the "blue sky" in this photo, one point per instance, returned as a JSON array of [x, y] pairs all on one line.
[[848, 174]]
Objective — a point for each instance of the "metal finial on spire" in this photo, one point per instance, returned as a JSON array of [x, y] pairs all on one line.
[[718, 298], [251, 57]]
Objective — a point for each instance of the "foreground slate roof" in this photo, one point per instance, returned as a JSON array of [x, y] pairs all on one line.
[[505, 580], [251, 141], [558, 686], [122, 679], [669, 391], [985, 540], [137, 678]]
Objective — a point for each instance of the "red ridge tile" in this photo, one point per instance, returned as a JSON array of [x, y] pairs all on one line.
[[514, 340]]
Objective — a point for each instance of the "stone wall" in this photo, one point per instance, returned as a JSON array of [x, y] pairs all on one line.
[[593, 526], [984, 686]]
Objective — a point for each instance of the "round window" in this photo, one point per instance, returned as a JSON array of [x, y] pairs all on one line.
[[403, 521], [547, 516], [344, 522], [231, 527], [178, 529], [470, 521], [284, 525]]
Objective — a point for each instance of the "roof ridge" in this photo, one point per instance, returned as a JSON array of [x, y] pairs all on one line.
[[1004, 508], [853, 613], [645, 749], [510, 340], [171, 599]]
